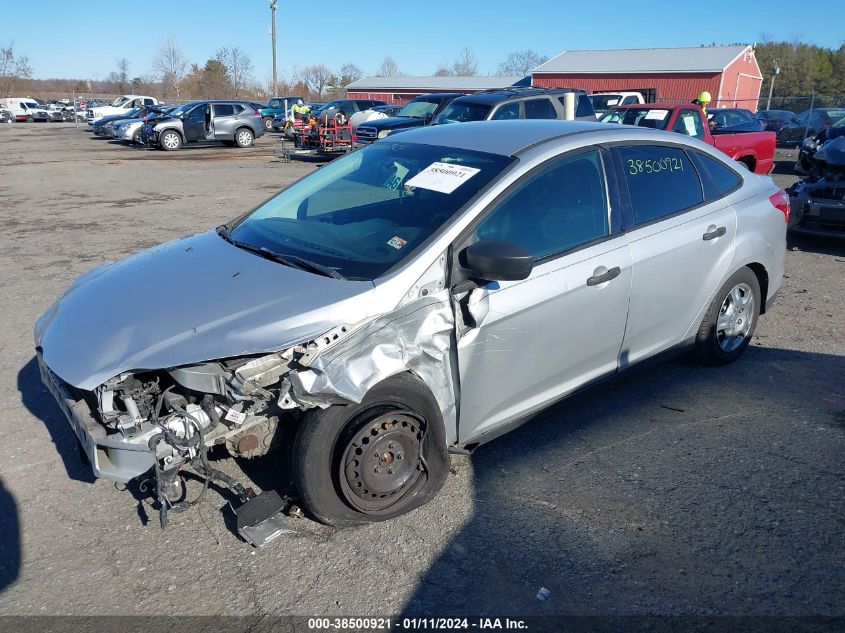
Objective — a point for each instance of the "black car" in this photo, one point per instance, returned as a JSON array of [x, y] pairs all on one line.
[[774, 120], [808, 123], [515, 103], [416, 113], [732, 120]]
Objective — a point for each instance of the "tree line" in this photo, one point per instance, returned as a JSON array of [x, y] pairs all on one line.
[[229, 73]]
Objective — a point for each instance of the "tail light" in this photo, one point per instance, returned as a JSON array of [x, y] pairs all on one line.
[[256, 113], [780, 201]]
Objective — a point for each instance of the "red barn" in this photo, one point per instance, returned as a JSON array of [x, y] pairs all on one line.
[[400, 90], [729, 73]]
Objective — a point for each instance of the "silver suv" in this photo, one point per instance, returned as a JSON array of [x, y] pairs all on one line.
[[231, 122], [516, 103]]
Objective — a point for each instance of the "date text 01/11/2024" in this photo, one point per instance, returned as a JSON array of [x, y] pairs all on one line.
[[415, 624]]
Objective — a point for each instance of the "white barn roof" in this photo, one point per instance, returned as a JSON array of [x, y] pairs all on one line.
[[699, 59]]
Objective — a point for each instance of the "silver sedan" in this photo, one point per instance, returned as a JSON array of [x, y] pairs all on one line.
[[412, 299]]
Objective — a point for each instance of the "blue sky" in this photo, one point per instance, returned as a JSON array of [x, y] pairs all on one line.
[[66, 39]]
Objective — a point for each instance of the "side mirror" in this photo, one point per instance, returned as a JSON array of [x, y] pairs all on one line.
[[493, 260]]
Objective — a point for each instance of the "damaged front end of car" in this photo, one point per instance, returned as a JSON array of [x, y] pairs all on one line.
[[817, 203]]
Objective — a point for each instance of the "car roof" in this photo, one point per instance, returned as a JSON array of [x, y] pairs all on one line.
[[438, 96], [491, 97], [509, 138]]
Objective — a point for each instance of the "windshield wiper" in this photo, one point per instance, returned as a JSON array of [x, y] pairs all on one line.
[[293, 261]]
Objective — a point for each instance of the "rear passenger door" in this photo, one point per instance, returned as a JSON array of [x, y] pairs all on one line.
[[526, 343], [681, 242], [224, 120]]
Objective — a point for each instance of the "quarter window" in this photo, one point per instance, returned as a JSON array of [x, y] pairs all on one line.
[[539, 109], [661, 181], [718, 179], [555, 210]]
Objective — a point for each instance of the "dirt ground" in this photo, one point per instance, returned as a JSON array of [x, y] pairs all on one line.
[[677, 489]]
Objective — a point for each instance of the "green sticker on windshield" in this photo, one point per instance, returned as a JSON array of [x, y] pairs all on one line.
[[396, 242]]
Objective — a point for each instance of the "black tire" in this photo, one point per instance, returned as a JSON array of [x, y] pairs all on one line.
[[717, 346], [170, 140], [401, 408], [268, 123], [244, 137], [136, 138]]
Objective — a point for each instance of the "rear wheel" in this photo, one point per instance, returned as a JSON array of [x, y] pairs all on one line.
[[170, 140], [373, 461], [729, 323], [244, 137]]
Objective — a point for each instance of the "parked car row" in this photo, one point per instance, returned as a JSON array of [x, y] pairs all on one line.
[[142, 120]]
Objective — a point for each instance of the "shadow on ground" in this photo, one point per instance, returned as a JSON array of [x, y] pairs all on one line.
[[676, 490], [10, 538]]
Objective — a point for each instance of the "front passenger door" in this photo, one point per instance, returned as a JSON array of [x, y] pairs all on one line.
[[524, 344]]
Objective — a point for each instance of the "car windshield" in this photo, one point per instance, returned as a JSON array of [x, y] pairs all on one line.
[[461, 112], [605, 102], [771, 115], [362, 214], [182, 109], [656, 118], [418, 109], [119, 101], [834, 115]]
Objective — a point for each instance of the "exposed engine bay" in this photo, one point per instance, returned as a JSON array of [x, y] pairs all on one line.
[[818, 201]]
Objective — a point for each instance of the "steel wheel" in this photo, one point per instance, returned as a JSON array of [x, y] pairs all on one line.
[[735, 317], [381, 461], [243, 138], [268, 124]]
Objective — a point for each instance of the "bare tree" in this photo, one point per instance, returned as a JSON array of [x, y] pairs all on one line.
[[170, 64], [238, 67], [520, 63], [443, 71], [350, 73], [12, 68], [466, 64], [388, 68], [317, 78]]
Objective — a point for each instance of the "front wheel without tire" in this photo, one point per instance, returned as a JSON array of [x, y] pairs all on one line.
[[373, 461], [729, 323], [268, 123]]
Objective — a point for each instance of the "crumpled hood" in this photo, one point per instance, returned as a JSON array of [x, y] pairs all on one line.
[[196, 299]]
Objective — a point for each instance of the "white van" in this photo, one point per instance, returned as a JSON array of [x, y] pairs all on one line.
[[22, 107]]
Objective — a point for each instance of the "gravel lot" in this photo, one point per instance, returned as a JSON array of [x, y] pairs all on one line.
[[677, 489]]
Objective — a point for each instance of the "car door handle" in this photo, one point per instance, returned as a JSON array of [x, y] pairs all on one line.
[[612, 273], [713, 233]]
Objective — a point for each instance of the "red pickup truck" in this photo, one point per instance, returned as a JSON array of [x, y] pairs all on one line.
[[755, 149]]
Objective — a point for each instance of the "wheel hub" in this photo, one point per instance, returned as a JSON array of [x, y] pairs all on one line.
[[382, 460]]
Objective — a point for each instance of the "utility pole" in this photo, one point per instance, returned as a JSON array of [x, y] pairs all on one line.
[[775, 73], [273, 38]]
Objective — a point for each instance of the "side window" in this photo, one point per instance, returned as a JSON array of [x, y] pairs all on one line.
[[239, 108], [689, 123], [718, 179], [349, 107], [539, 109], [559, 208], [198, 113], [802, 118], [506, 112], [661, 181], [584, 107], [223, 109], [148, 102]]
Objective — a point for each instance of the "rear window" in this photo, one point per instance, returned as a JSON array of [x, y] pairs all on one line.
[[661, 181], [656, 118]]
